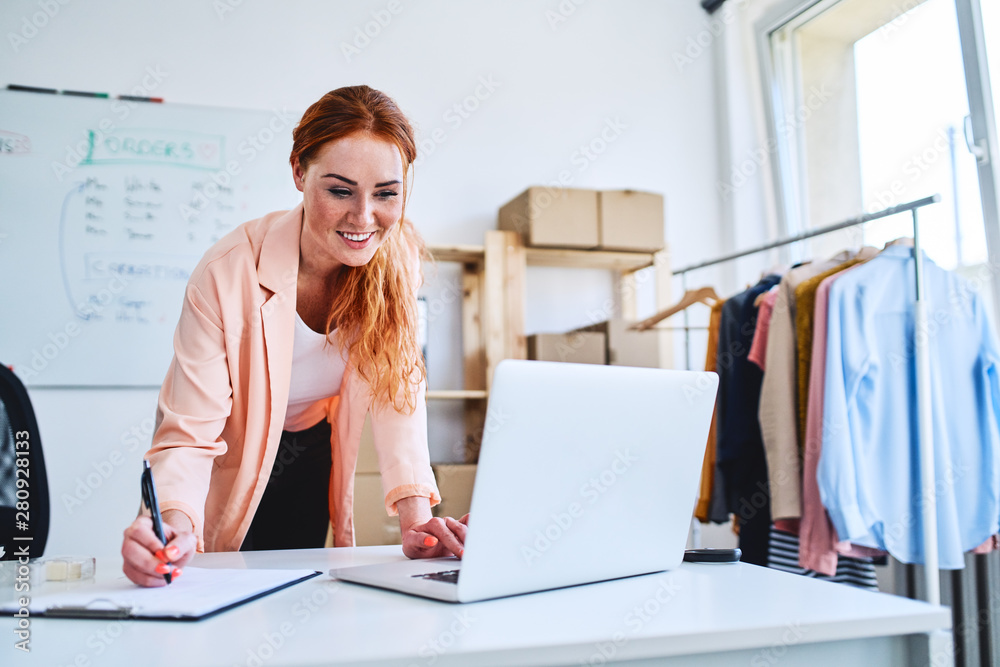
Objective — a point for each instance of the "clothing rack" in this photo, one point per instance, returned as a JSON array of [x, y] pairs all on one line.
[[932, 585]]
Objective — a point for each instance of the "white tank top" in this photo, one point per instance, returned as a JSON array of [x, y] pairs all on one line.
[[317, 371]]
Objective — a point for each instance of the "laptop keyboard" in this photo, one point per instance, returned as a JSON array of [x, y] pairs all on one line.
[[447, 576]]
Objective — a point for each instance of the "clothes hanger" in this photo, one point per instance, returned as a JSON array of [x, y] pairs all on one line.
[[903, 241], [851, 251], [705, 295]]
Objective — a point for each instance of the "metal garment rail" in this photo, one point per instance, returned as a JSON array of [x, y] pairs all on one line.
[[932, 584]]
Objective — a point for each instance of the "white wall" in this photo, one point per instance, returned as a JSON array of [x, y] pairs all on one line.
[[554, 87]]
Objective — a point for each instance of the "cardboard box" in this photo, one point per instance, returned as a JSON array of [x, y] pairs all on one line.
[[372, 526], [629, 348], [631, 220], [455, 481], [578, 347], [553, 217], [367, 459]]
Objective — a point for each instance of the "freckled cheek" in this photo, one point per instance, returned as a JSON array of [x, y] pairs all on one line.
[[331, 212], [389, 215]]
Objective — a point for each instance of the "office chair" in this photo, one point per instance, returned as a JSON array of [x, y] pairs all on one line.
[[24, 488]]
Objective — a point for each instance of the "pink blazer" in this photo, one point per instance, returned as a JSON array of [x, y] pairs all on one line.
[[222, 405]]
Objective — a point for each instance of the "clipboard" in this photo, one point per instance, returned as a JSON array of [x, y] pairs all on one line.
[[201, 593]]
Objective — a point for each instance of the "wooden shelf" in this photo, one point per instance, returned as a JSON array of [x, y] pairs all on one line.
[[590, 259], [455, 394], [465, 254], [558, 257], [493, 311]]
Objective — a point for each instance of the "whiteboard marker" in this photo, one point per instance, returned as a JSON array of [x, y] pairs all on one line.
[[32, 89], [81, 93], [137, 98]]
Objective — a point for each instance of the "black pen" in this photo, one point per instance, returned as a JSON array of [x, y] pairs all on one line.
[[149, 500]]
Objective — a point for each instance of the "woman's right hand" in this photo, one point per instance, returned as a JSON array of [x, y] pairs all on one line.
[[146, 558]]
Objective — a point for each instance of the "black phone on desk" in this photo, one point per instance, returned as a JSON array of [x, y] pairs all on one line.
[[712, 555]]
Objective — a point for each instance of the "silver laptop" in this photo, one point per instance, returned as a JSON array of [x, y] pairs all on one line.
[[586, 473]]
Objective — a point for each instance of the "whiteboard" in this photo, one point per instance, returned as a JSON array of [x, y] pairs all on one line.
[[106, 206]]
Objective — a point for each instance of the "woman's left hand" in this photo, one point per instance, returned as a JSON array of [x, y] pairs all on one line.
[[436, 538]]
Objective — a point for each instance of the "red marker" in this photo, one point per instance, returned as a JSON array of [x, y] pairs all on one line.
[[137, 98]]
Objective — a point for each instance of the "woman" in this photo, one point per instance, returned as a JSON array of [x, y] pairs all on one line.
[[294, 327]]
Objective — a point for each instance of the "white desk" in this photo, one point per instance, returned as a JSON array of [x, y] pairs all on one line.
[[723, 614]]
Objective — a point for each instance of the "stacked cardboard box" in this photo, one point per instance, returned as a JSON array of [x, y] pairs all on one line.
[[551, 217], [631, 220], [626, 347], [455, 481], [372, 526], [580, 347]]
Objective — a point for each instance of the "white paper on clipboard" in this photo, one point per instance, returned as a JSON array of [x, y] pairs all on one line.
[[199, 593]]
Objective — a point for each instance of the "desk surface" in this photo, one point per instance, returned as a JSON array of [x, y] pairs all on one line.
[[696, 609]]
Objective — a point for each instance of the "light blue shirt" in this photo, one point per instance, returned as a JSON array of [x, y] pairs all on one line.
[[868, 471]]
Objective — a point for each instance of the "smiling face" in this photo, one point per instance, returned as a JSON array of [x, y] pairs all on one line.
[[352, 195]]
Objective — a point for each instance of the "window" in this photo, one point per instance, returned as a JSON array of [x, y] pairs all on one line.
[[881, 117], [991, 30], [912, 106]]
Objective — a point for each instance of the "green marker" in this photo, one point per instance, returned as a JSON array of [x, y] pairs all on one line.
[[80, 93]]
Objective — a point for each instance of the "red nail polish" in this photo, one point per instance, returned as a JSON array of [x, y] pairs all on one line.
[[162, 568], [160, 555], [177, 572], [173, 553], [430, 541]]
